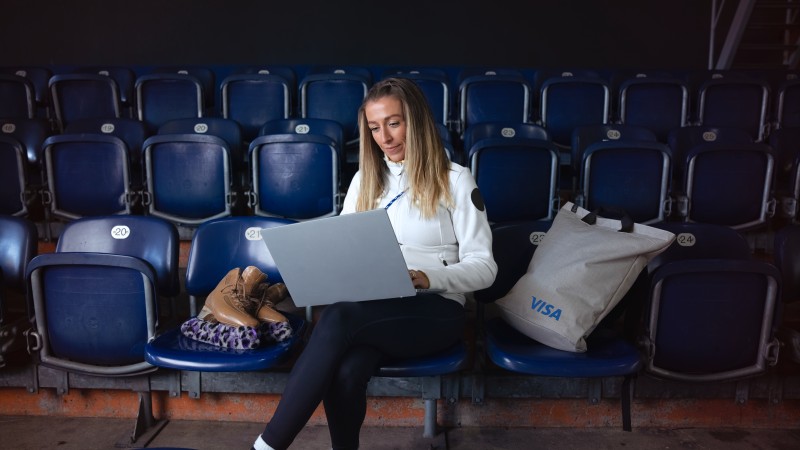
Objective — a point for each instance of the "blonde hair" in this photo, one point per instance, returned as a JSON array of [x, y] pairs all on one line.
[[425, 158]]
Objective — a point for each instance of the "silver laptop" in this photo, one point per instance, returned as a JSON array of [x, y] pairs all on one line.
[[351, 257]]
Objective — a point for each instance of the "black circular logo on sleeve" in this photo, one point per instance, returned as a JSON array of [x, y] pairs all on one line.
[[477, 199]]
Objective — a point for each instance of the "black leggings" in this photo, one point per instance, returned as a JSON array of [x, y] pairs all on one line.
[[346, 347]]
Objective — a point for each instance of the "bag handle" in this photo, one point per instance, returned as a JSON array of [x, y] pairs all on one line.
[[626, 223]]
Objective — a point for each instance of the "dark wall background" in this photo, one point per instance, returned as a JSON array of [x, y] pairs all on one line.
[[642, 34]]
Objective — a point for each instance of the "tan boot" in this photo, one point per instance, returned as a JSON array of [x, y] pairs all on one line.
[[253, 279], [227, 302], [274, 294]]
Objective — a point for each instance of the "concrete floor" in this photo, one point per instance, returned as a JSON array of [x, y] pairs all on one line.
[[38, 432]]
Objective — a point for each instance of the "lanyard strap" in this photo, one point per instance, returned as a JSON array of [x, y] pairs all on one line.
[[394, 199]]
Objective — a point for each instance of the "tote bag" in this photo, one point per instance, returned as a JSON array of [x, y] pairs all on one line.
[[581, 269]]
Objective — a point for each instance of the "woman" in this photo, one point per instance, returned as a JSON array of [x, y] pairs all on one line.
[[438, 215]]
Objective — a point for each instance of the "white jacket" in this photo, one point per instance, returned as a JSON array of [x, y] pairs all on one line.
[[454, 249]]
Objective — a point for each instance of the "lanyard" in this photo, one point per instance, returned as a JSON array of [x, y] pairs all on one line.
[[394, 199]]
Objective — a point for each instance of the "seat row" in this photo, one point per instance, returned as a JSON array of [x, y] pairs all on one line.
[[675, 323], [195, 170], [558, 100]]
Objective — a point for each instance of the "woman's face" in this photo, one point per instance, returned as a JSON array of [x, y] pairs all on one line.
[[385, 121]]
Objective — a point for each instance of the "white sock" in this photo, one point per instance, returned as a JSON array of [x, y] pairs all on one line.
[[259, 444]]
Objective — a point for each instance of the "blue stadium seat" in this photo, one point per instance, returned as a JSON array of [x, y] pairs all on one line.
[[492, 95], [119, 235], [15, 190], [295, 168], [31, 133], [658, 103], [86, 175], [517, 174], [787, 259], [681, 140], [787, 111], [83, 96], [285, 72], [735, 101], [125, 79], [162, 97], [584, 136], [785, 142], [335, 94], [204, 75], [70, 289], [323, 127], [728, 184], [608, 355], [39, 77], [17, 97], [628, 174], [701, 241], [226, 129], [188, 178], [712, 312], [567, 102], [217, 247], [18, 245], [434, 85], [131, 131], [252, 99], [124, 261]]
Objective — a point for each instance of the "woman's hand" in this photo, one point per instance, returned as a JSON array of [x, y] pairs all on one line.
[[419, 279]]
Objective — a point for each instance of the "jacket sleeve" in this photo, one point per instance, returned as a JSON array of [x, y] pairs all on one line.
[[349, 204], [476, 268]]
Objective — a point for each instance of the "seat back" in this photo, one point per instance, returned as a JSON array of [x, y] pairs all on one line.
[[86, 175], [187, 178], [93, 312], [493, 96], [131, 131], [518, 177], [729, 184], [254, 99], [151, 239], [14, 187], [220, 245], [434, 85], [787, 111], [226, 129], [123, 76], [712, 319], [681, 140], [701, 241], [659, 103], [294, 175], [83, 96], [584, 136], [514, 130], [787, 259], [736, 102], [631, 175], [567, 102], [31, 133], [17, 97], [18, 245], [204, 75], [323, 127], [166, 96], [513, 245], [335, 95], [38, 77], [94, 300], [785, 142]]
